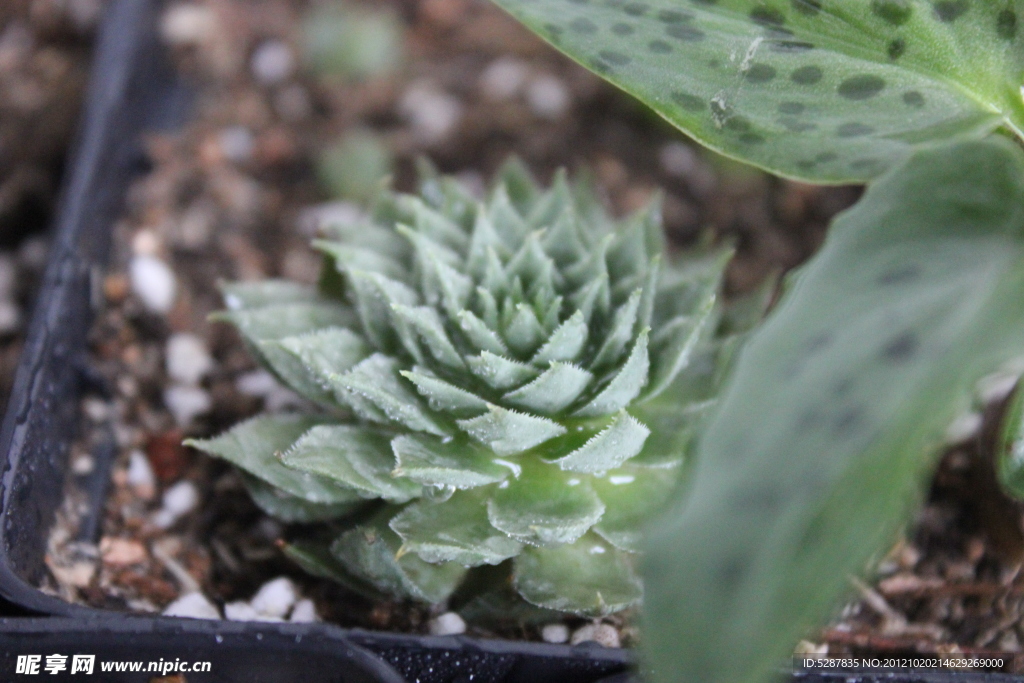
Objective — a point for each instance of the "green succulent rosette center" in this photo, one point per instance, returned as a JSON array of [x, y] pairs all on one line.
[[502, 377]]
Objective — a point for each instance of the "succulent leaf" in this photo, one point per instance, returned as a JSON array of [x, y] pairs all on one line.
[[823, 90], [489, 373]]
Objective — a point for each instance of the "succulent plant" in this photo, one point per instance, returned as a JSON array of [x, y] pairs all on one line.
[[506, 382]]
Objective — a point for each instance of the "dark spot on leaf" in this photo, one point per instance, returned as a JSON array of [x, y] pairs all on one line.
[[688, 102], [673, 17], [806, 75], [900, 275], [751, 139], [614, 58], [777, 33], [738, 124], [621, 29], [896, 48], [813, 535], [762, 500], [895, 12], [854, 130], [843, 387], [659, 47], [826, 157], [714, 64], [861, 87], [636, 9], [767, 16], [950, 10], [806, 164], [901, 348], [732, 572], [795, 125], [584, 26], [554, 29], [790, 46], [914, 99], [760, 73], [684, 32], [1006, 24], [807, 7], [600, 66], [848, 421], [794, 108], [808, 420], [705, 2]]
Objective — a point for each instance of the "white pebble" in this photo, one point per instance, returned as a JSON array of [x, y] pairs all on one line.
[[275, 597], [304, 612], [605, 634], [555, 633], [178, 500], [10, 317], [317, 219], [187, 358], [995, 387], [548, 97], [140, 476], [236, 144], [963, 428], [432, 113], [272, 62], [447, 624], [193, 605], [503, 78], [678, 159], [153, 282], [187, 24], [185, 403], [240, 611]]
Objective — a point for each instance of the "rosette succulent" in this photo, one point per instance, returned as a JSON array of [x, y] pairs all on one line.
[[503, 382]]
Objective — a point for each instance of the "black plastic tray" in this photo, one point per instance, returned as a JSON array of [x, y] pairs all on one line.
[[133, 90]]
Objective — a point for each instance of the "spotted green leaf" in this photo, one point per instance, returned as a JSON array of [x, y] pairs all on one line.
[[288, 508], [835, 411], [822, 90]]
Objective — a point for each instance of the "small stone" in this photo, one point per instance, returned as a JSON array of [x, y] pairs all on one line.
[[185, 403], [432, 114], [447, 624], [187, 358], [272, 62], [194, 606], [995, 387], [146, 243], [275, 597], [236, 144], [10, 317], [33, 252], [116, 287], [188, 24], [153, 282], [304, 612], [78, 574], [555, 633], [503, 78], [548, 97], [140, 476], [240, 611], [122, 551], [678, 159], [178, 501], [83, 465], [604, 634], [964, 428], [167, 455], [293, 104]]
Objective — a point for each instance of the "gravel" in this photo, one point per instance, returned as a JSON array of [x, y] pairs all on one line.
[[153, 282], [194, 606]]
